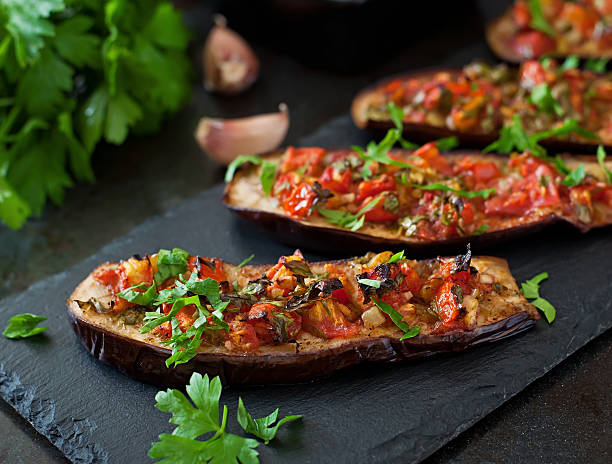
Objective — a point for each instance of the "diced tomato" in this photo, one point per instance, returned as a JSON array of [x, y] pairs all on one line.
[[379, 213], [412, 281], [243, 335], [300, 200], [521, 14], [108, 277], [341, 296], [447, 304], [467, 213], [372, 188], [430, 154], [433, 98], [335, 180], [482, 171], [582, 18], [186, 317], [533, 44], [284, 185], [296, 158], [327, 320], [209, 268]]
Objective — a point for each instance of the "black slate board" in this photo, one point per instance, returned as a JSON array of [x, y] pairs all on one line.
[[391, 413]]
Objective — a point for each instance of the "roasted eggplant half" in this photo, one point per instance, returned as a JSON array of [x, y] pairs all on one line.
[[162, 317], [476, 102], [551, 28], [424, 202]]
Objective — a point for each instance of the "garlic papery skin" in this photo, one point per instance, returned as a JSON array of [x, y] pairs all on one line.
[[225, 139], [230, 64]]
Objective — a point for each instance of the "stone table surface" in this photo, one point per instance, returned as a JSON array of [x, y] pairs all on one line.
[[564, 416]]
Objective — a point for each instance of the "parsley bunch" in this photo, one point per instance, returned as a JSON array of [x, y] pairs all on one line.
[[74, 72]]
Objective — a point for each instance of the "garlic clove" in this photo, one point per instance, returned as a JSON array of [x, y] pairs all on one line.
[[225, 139], [230, 65]]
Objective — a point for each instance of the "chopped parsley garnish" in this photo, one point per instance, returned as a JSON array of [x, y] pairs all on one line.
[[24, 326], [574, 177], [597, 65], [601, 159], [348, 220], [245, 261], [266, 176], [531, 290], [481, 230], [409, 332], [542, 97], [447, 143], [396, 257], [145, 298], [199, 418], [538, 21], [370, 282], [571, 62], [486, 193], [170, 264]]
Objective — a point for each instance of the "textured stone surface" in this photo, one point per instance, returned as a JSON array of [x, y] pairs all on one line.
[[61, 378]]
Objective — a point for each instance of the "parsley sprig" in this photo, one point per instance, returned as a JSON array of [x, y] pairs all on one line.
[[352, 221], [486, 193], [531, 290], [266, 176], [200, 417], [538, 20], [601, 159]]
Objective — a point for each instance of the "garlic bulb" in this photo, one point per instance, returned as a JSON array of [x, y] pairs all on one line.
[[230, 65], [225, 139]]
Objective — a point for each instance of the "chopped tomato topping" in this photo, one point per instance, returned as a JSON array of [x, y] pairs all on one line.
[[533, 44], [447, 304], [335, 180], [372, 188], [299, 201], [327, 319], [382, 212], [296, 158]]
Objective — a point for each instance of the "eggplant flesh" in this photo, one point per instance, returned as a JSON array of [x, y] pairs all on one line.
[[500, 32], [425, 133], [143, 357], [244, 196]]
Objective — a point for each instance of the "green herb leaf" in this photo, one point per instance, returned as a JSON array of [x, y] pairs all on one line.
[[482, 229], [370, 282], [601, 159], [145, 298], [447, 143], [542, 97], [597, 65], [396, 257], [24, 326], [574, 177], [538, 21], [531, 290], [409, 332], [571, 62], [182, 446], [261, 428], [348, 220], [268, 170], [13, 209], [245, 261], [170, 264], [486, 193]]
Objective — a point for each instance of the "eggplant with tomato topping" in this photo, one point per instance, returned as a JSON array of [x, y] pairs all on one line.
[[561, 106], [421, 200], [535, 28], [292, 321]]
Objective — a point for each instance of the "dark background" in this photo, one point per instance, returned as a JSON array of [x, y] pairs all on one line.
[[315, 59]]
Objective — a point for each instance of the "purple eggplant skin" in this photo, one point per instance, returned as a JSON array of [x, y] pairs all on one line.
[[423, 133], [147, 363]]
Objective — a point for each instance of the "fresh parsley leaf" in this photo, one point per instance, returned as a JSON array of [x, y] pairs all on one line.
[[571, 62], [370, 282], [601, 159], [531, 290], [481, 230], [208, 288], [447, 143], [574, 177], [13, 209], [397, 116], [597, 65], [266, 177], [409, 332], [75, 44], [538, 21], [261, 428], [396, 257], [170, 264], [24, 326], [542, 97], [122, 114], [195, 420], [486, 193], [245, 261], [145, 298], [348, 220]]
